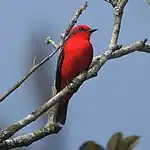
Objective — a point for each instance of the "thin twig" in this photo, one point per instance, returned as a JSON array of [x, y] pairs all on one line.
[[73, 21], [48, 39], [31, 71], [112, 2], [118, 12]]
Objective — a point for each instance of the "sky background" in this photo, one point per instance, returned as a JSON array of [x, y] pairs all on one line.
[[117, 100]]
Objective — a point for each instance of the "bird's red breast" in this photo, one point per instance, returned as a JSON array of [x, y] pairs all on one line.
[[78, 54], [75, 58]]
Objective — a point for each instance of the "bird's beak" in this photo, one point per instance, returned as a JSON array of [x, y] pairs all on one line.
[[92, 30]]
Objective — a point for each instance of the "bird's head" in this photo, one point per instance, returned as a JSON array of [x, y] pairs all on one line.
[[81, 31]]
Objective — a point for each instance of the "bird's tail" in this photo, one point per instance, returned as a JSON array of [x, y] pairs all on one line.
[[61, 112]]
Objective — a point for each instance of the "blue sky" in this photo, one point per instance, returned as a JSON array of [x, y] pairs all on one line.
[[117, 100]]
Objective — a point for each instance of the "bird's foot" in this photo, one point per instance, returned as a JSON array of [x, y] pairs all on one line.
[[69, 87], [84, 72]]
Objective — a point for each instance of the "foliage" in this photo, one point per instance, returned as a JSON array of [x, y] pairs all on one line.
[[116, 142], [148, 1]]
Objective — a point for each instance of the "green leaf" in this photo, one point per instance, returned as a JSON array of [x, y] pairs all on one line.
[[128, 143], [148, 1], [91, 145], [114, 141]]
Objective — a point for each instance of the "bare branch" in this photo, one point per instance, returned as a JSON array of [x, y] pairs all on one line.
[[48, 40], [6, 133], [29, 138], [145, 49], [136, 46], [31, 71], [98, 62], [118, 12], [73, 21], [34, 61], [76, 83], [114, 51], [112, 2]]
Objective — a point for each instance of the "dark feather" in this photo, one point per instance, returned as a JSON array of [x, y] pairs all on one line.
[[58, 70], [61, 111]]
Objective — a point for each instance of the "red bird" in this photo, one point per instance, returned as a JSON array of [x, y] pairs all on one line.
[[75, 58]]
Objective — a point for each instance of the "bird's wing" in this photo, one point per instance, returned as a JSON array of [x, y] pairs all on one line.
[[58, 70]]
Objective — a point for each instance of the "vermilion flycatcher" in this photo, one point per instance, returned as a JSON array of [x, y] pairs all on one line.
[[75, 58]]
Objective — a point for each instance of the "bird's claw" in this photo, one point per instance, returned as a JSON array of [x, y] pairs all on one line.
[[69, 88]]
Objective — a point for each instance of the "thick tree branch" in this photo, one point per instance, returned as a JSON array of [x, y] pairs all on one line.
[[29, 138], [137, 46], [118, 6], [145, 49], [134, 47], [48, 40], [76, 83]]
